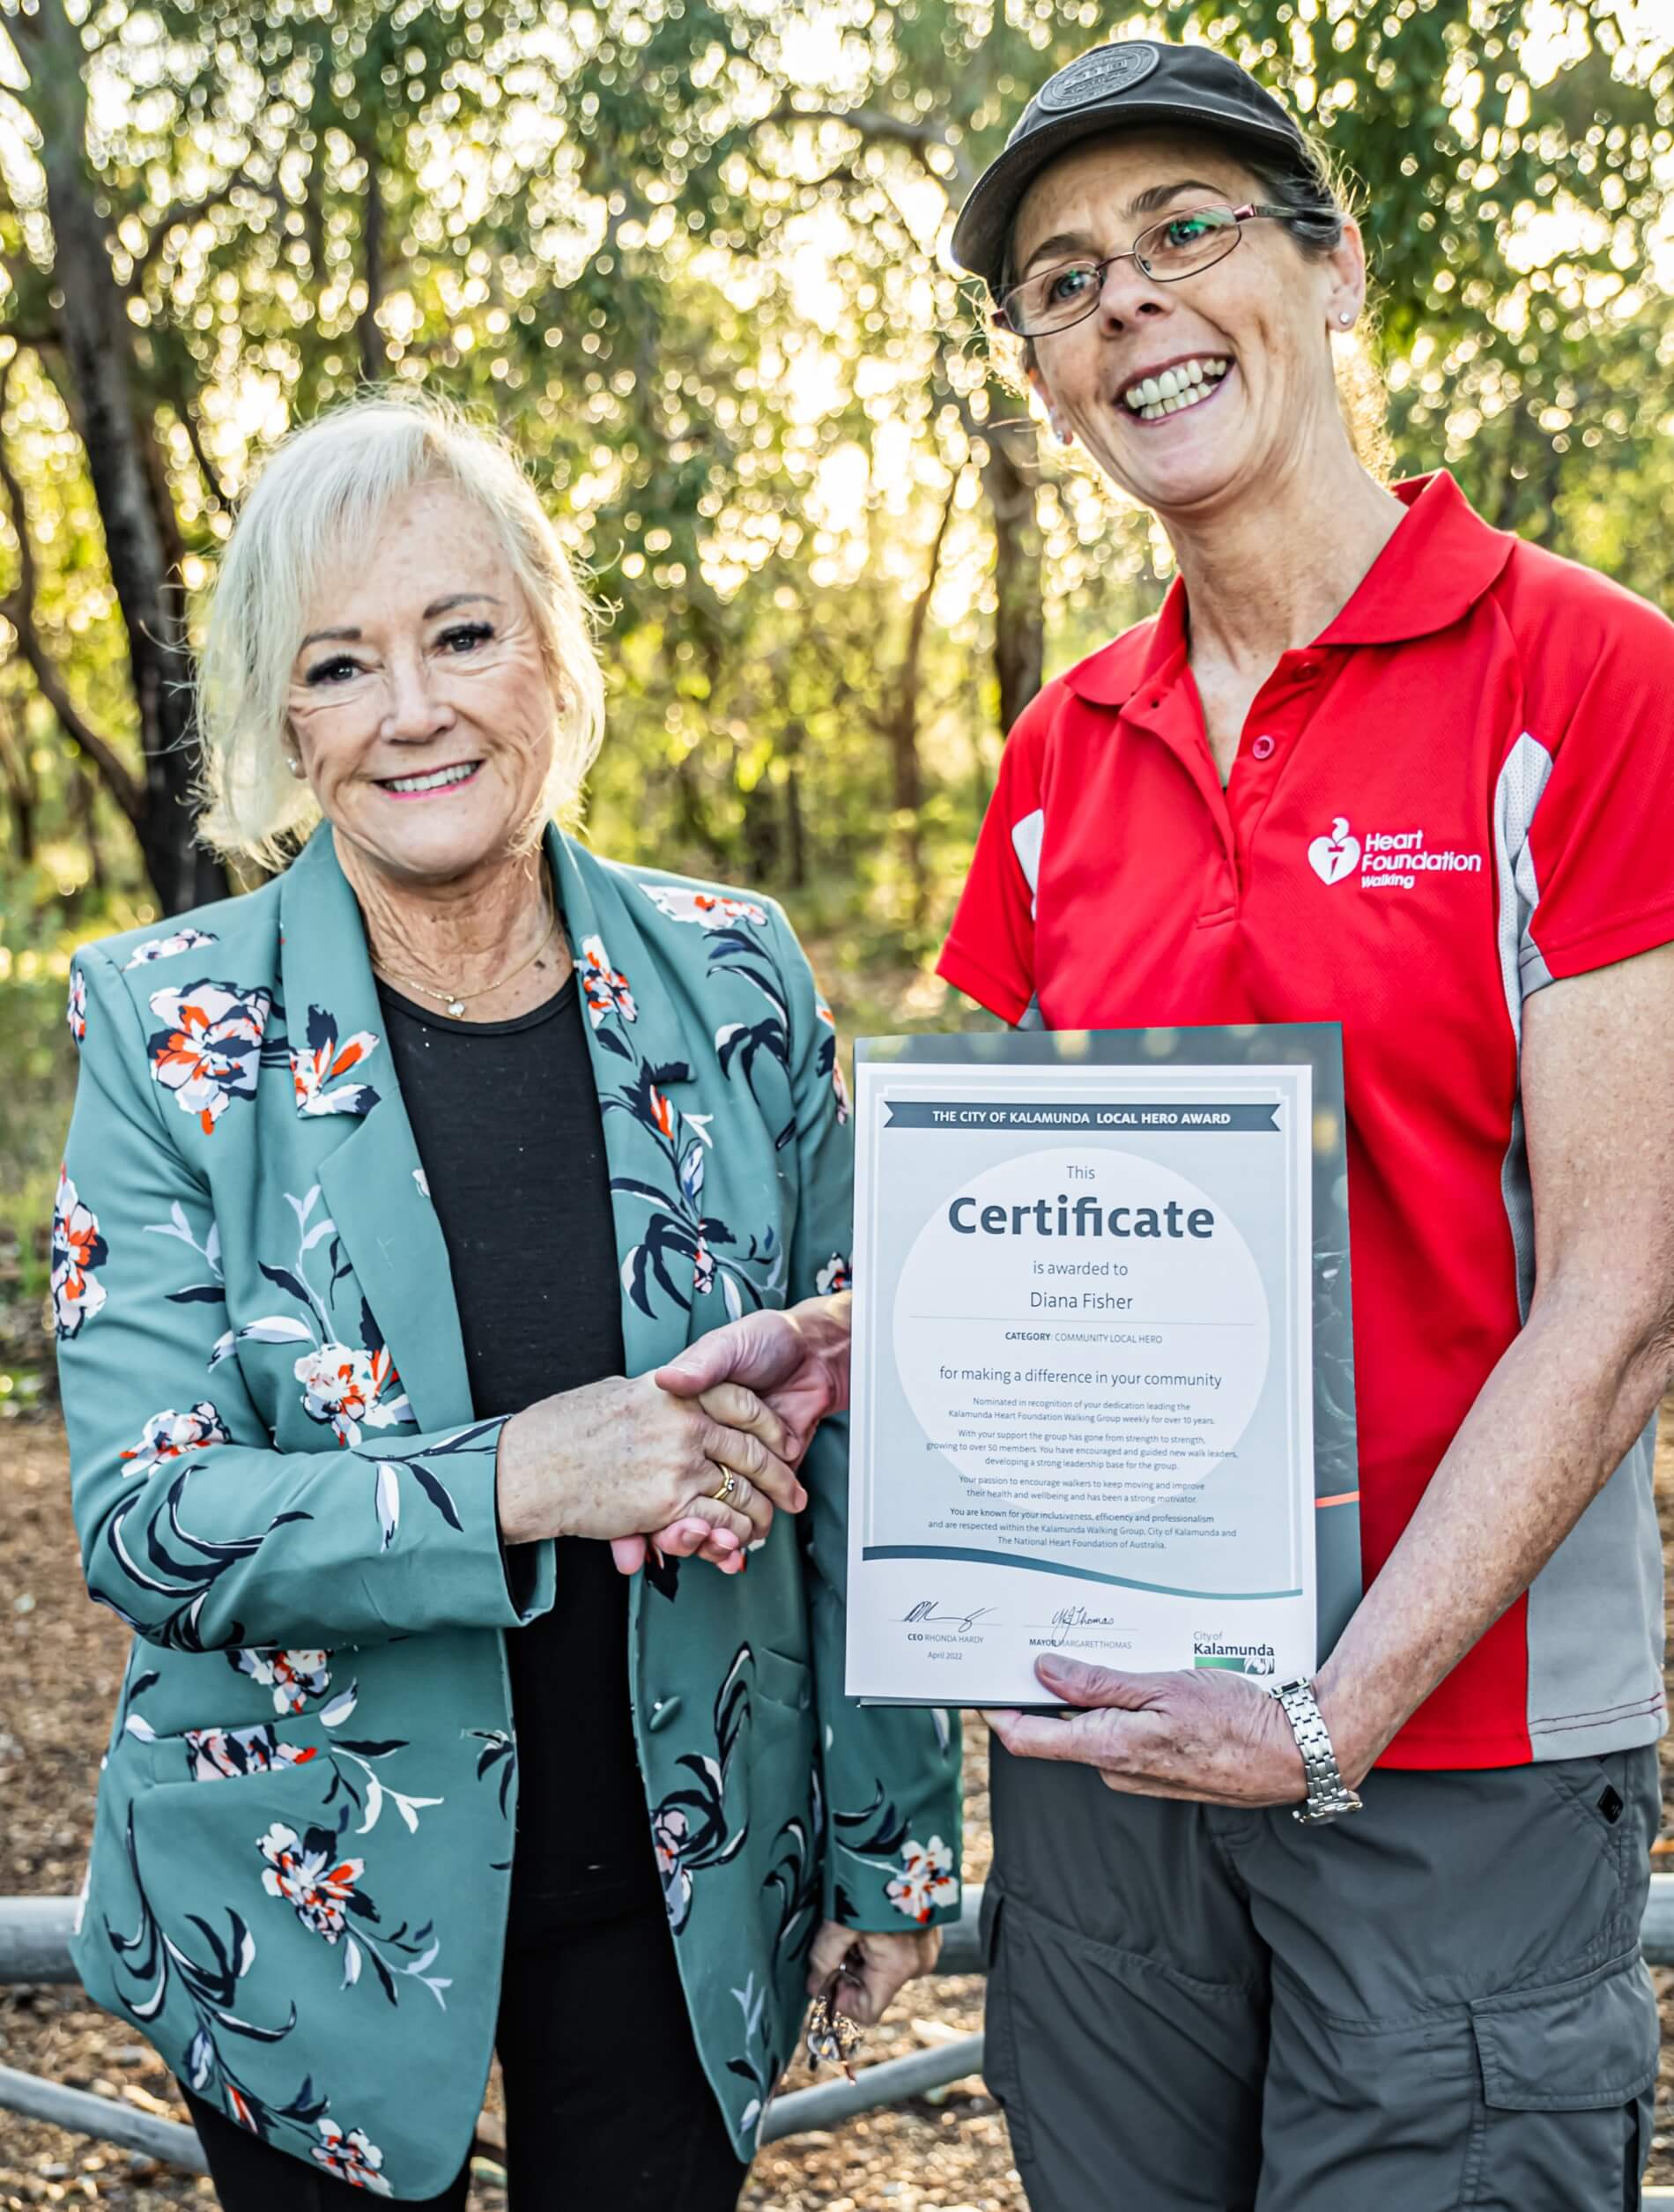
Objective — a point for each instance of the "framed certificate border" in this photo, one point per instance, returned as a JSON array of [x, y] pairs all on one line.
[[1312, 1052]]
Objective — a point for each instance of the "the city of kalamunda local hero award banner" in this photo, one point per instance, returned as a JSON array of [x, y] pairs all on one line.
[[1103, 1384]]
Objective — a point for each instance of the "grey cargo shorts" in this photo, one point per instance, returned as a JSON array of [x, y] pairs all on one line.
[[1437, 2002]]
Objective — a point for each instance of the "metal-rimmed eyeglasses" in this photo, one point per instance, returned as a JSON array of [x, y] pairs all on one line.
[[1178, 246]]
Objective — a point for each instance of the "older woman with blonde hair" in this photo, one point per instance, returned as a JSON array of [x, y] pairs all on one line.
[[391, 1187]]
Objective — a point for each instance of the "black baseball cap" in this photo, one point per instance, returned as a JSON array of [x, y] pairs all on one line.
[[1128, 83]]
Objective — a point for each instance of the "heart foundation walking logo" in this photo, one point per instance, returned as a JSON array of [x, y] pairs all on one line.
[[1333, 857]]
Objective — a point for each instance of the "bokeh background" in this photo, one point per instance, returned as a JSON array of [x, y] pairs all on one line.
[[691, 255]]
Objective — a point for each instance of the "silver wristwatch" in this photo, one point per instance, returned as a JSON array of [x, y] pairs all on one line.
[[1328, 1793]]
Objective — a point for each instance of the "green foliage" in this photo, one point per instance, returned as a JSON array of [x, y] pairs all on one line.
[[689, 254]]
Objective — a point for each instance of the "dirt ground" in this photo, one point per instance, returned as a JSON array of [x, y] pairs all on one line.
[[60, 1660]]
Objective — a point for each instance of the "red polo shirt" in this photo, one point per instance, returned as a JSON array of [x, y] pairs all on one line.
[[1459, 793]]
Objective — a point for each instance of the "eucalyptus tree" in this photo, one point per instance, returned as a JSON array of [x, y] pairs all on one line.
[[690, 253], [216, 217], [1509, 182]]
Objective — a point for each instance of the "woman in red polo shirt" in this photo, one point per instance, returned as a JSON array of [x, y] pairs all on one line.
[[1375, 762]]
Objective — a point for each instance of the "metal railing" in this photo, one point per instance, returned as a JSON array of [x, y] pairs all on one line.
[[34, 1948]]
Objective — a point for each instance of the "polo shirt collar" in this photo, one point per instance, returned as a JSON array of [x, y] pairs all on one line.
[[1439, 561]]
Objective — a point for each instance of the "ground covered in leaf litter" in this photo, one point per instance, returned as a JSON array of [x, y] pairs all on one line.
[[60, 1661]]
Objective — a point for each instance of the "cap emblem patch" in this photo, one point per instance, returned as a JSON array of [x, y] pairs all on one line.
[[1098, 76]]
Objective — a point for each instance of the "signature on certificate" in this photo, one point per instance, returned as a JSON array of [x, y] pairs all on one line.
[[1072, 1617], [926, 1614]]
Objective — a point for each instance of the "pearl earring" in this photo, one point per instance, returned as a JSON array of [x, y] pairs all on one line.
[[294, 765], [1345, 318]]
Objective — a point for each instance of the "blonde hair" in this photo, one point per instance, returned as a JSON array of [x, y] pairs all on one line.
[[330, 485]]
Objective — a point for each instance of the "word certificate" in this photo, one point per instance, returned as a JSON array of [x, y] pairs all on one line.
[[1102, 1383]]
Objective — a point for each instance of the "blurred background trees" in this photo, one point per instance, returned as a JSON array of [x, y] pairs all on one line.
[[690, 255]]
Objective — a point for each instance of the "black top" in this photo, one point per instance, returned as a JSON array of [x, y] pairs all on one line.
[[505, 1118]]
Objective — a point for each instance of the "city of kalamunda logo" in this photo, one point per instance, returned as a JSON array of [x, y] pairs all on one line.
[[1242, 1658], [1391, 860]]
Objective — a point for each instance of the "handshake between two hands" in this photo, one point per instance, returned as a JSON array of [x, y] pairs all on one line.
[[754, 1392], [762, 1386]]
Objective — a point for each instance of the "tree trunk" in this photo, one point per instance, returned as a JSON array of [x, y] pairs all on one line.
[[907, 770], [762, 830], [85, 799], [94, 339], [1010, 482], [20, 785]]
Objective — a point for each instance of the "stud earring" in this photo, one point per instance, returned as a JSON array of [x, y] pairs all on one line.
[[294, 765], [1345, 318]]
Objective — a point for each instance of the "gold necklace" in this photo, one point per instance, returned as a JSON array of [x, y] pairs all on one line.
[[452, 1000]]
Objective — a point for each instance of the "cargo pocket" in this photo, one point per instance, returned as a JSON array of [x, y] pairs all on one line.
[[1567, 2074], [999, 2033]]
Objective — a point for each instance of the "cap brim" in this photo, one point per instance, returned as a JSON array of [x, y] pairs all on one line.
[[985, 221]]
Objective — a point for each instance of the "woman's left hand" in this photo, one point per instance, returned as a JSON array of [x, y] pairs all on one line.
[[884, 1964], [1207, 1735]]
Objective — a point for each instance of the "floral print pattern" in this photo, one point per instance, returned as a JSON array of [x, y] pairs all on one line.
[[77, 1252], [322, 1887], [76, 1010], [678, 1230], [155, 948], [316, 1072], [314, 1881], [604, 991], [350, 2157], [834, 1276], [293, 1677], [215, 1754], [711, 909], [209, 1976], [828, 1064], [690, 1828], [926, 1880], [209, 1050], [346, 1387], [169, 1435]]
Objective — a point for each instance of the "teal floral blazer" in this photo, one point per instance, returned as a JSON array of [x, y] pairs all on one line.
[[301, 1854]]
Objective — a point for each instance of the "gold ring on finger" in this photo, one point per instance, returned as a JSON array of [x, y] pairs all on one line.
[[728, 1491]]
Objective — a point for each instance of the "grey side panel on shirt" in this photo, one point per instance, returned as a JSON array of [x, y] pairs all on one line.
[[1596, 1622], [1594, 1611], [1518, 793]]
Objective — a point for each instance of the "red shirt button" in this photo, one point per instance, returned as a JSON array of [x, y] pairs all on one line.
[[1263, 749]]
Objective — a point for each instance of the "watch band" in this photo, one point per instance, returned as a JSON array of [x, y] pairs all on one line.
[[1328, 1793]]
